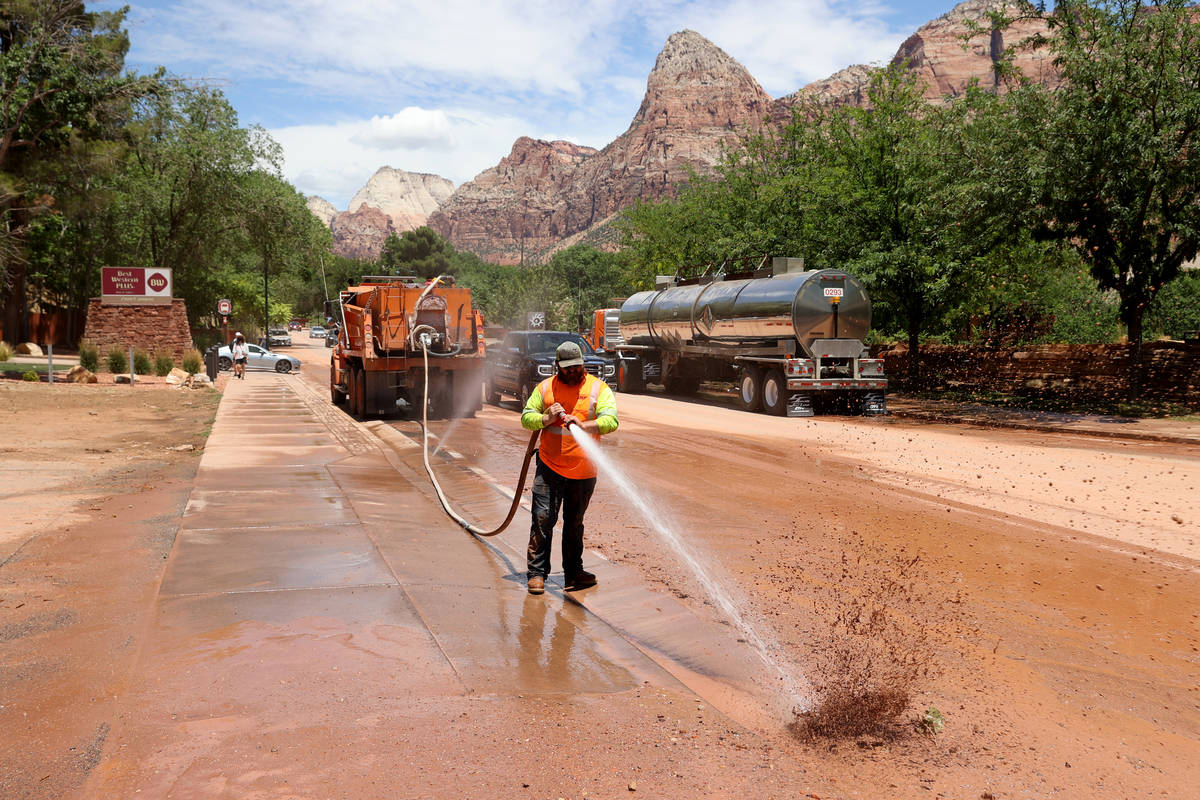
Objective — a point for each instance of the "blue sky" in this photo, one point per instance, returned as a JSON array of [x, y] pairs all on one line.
[[446, 86]]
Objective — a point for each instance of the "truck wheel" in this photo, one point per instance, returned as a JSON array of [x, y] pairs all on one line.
[[629, 376], [335, 394], [775, 393], [749, 394], [360, 385], [526, 390], [493, 396]]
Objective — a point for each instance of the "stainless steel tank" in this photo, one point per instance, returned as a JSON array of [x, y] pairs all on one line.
[[796, 305]]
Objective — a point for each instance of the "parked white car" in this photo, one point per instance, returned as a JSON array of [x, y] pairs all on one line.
[[259, 359]]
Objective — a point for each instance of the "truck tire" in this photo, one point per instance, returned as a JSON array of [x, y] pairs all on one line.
[[493, 396], [335, 394], [364, 402], [356, 392], [774, 393], [526, 389], [629, 376], [749, 389]]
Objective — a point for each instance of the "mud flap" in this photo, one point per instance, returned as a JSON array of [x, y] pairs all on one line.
[[874, 404], [800, 405]]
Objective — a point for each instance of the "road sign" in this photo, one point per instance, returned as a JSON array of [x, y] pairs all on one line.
[[224, 307], [134, 286]]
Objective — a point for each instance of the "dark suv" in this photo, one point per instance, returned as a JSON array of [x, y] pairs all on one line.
[[525, 358]]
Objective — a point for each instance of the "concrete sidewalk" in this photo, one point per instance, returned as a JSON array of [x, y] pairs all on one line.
[[317, 602]]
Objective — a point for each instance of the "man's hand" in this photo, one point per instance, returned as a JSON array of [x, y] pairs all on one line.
[[567, 420], [554, 415]]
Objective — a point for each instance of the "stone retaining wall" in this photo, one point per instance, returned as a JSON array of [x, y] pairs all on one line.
[[152, 328], [1171, 370]]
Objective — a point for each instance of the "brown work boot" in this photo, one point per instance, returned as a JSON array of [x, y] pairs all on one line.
[[537, 584], [580, 580]]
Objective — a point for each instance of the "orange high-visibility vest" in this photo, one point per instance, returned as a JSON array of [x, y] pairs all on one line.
[[558, 448]]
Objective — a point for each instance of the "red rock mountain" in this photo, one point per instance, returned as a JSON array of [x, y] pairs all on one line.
[[698, 99]]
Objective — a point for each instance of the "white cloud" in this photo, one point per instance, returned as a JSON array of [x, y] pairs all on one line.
[[335, 160], [412, 128], [468, 77], [522, 45], [786, 44]]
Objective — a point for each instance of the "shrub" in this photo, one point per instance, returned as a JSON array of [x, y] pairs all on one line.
[[142, 365], [6, 351], [32, 376], [89, 357], [163, 363], [193, 362], [116, 361]]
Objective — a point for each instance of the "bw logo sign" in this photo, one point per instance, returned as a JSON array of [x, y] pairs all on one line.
[[536, 320]]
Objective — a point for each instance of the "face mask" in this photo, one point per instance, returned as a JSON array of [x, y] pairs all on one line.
[[571, 376]]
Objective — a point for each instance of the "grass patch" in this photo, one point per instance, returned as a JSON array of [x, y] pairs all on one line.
[[18, 369]]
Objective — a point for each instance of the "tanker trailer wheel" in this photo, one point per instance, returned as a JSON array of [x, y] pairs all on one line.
[[774, 393], [749, 389], [629, 376]]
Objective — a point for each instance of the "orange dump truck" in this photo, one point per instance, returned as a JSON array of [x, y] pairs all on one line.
[[387, 325]]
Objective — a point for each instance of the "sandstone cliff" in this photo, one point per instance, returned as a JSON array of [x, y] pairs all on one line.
[[322, 209], [361, 233], [697, 99], [407, 197], [937, 52], [392, 201]]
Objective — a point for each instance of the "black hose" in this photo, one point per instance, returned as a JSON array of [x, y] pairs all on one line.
[[467, 526]]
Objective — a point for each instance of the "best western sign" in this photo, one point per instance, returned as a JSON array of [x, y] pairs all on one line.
[[133, 285]]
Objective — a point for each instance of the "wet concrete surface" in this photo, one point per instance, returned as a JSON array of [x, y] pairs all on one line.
[[321, 629], [309, 581]]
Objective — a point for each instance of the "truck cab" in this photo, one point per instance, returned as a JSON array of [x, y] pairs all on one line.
[[526, 358]]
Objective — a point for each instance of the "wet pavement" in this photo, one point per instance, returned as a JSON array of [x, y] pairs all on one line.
[[314, 582]]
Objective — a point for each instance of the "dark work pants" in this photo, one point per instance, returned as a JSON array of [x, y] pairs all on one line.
[[550, 492]]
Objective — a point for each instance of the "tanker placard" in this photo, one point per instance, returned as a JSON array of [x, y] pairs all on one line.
[[134, 285]]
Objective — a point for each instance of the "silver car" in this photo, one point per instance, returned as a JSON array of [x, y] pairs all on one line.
[[316, 332], [259, 359]]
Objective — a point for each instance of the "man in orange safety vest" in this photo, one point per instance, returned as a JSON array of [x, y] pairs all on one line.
[[565, 476]]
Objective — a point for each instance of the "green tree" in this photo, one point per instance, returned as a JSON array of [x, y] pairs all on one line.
[[61, 87], [1116, 167], [421, 252]]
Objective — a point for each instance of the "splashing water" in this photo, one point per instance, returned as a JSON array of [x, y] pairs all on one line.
[[788, 683]]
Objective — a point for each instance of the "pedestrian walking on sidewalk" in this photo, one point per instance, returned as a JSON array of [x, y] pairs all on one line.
[[565, 476], [240, 352]]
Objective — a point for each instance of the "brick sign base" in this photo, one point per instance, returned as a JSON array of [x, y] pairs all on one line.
[[152, 328]]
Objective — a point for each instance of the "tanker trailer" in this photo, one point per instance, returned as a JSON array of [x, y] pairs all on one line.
[[786, 337], [391, 329]]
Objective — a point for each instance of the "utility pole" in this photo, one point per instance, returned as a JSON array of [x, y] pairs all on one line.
[[266, 308]]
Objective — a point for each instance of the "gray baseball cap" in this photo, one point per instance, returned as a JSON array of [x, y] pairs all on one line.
[[568, 354]]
